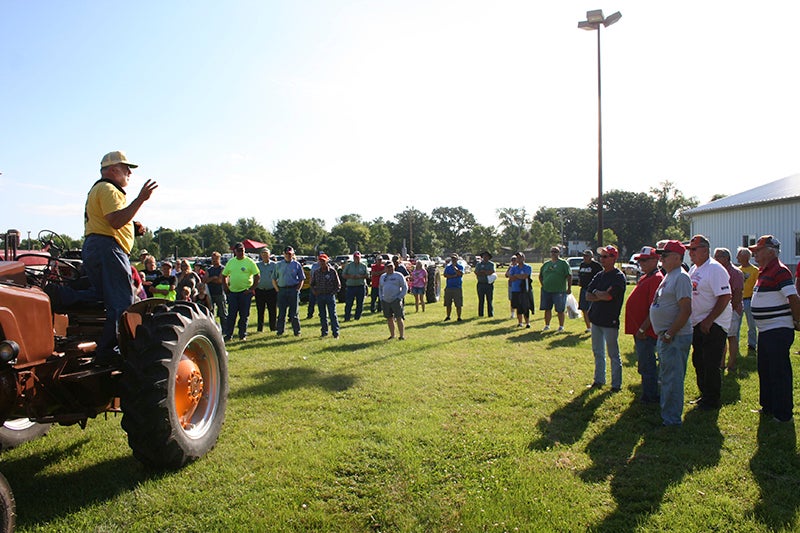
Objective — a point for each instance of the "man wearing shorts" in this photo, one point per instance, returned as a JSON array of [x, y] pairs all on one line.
[[453, 272], [392, 289], [555, 277]]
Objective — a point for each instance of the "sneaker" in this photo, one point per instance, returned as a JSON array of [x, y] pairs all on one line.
[[615, 389], [401, 338], [226, 338], [546, 328], [335, 335], [519, 325], [527, 326], [458, 319], [595, 385], [446, 318], [242, 337], [587, 330], [560, 329]]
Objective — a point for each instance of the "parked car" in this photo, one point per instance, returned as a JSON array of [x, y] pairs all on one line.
[[632, 270], [574, 266], [425, 259]]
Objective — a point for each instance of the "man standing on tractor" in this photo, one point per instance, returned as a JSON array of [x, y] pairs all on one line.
[[109, 230]]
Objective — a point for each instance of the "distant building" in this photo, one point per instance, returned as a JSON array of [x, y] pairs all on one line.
[[740, 219]]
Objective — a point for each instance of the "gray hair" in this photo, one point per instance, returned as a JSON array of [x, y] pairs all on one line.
[[723, 251]]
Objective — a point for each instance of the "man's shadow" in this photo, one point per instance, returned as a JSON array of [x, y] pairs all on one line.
[[776, 466], [643, 461], [567, 424]]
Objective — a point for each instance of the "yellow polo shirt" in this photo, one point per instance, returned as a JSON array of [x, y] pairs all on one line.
[[104, 198]]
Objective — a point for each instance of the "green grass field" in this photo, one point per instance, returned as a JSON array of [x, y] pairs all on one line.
[[471, 426]]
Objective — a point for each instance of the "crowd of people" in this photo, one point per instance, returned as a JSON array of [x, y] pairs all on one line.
[[673, 309]]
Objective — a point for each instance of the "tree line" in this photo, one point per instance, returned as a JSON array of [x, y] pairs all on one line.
[[631, 219]]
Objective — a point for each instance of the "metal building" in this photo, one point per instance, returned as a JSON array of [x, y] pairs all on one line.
[[740, 219]]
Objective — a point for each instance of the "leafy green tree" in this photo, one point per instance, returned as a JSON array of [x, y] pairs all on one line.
[[416, 227], [669, 205], [484, 238], [146, 242], [212, 239], [515, 222], [453, 226], [333, 245], [579, 223], [304, 235], [352, 217], [379, 235], [543, 236], [354, 234], [248, 228], [165, 238], [631, 216], [186, 245], [232, 234]]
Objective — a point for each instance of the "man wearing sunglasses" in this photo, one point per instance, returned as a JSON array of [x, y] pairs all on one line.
[[711, 318]]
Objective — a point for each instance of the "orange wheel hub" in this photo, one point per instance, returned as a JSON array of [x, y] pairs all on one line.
[[188, 390]]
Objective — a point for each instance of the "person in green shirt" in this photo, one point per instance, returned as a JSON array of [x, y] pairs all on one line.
[[556, 278], [241, 276]]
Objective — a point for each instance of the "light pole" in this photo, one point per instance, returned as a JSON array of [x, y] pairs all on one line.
[[594, 19], [410, 229]]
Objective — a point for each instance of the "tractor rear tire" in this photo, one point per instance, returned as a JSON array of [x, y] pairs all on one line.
[[8, 507], [434, 288], [19, 431], [174, 385]]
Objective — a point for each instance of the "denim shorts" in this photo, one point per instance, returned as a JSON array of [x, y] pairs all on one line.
[[551, 299]]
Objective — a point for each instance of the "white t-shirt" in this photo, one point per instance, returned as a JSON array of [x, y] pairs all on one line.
[[709, 281]]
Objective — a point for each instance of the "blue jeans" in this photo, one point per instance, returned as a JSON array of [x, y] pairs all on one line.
[[673, 358], [288, 300], [354, 293], [238, 304], [775, 372], [648, 367], [327, 309], [602, 339], [374, 299], [106, 265], [220, 302], [485, 292], [752, 330]]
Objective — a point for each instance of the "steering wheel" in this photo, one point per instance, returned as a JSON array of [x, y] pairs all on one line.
[[42, 269], [51, 240]]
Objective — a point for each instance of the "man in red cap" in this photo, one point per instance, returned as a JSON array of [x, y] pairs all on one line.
[[606, 292], [669, 318], [776, 309], [711, 318], [325, 286], [637, 322]]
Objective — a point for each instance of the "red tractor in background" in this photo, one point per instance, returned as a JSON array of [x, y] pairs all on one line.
[[170, 383]]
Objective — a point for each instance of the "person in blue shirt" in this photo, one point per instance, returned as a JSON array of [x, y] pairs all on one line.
[[453, 273], [287, 279]]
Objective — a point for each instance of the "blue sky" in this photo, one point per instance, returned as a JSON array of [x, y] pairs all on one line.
[[295, 109]]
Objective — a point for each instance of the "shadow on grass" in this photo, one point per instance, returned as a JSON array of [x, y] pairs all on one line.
[[775, 466], [641, 461], [282, 379], [567, 424], [44, 498]]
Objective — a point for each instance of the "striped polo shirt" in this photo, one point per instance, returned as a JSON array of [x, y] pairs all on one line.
[[770, 303]]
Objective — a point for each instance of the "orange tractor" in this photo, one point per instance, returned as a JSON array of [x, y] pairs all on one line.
[[170, 382]]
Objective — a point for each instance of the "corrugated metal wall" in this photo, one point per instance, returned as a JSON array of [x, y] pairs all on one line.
[[725, 228]]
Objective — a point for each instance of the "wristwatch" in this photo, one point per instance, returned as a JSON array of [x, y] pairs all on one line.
[[667, 335]]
